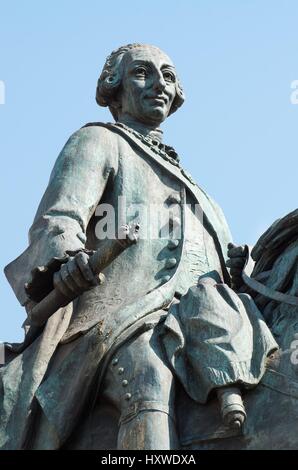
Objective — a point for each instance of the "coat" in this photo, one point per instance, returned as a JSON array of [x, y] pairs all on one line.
[[98, 165]]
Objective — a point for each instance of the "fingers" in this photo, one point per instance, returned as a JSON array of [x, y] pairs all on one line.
[[61, 285], [235, 251], [82, 261], [78, 278], [75, 276], [236, 277], [238, 262], [235, 272], [66, 276]]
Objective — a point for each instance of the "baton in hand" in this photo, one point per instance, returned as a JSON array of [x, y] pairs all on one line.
[[104, 256]]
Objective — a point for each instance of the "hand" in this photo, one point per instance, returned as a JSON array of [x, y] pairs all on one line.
[[76, 276], [236, 262]]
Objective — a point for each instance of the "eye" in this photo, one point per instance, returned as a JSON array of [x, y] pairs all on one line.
[[140, 72], [169, 76]]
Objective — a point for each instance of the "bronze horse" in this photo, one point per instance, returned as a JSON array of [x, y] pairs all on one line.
[[272, 407]]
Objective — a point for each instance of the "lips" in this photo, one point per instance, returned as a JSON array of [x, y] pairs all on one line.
[[158, 99]]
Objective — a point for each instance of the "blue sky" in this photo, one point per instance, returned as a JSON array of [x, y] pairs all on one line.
[[236, 133]]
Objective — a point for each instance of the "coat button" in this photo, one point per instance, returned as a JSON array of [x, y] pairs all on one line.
[[173, 199], [173, 244], [165, 279], [124, 383], [127, 396], [120, 370], [115, 361], [170, 263]]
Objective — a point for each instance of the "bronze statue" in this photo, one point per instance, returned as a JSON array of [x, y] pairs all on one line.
[[136, 357]]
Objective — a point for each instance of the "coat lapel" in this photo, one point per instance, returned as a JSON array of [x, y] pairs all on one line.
[[213, 219]]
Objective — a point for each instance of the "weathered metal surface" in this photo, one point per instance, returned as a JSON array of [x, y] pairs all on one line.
[[137, 361]]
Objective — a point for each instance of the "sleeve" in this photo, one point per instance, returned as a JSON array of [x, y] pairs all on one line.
[[77, 182], [223, 229]]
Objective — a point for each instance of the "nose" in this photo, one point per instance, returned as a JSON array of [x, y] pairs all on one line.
[[159, 82]]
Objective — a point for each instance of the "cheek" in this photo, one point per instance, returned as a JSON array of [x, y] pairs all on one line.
[[172, 93], [132, 88], [136, 93]]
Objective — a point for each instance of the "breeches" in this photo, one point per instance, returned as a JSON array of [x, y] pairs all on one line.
[[138, 378]]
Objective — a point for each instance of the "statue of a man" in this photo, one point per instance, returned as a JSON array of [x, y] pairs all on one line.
[[98, 374]]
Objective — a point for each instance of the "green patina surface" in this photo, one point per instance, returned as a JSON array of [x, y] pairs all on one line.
[[179, 340]]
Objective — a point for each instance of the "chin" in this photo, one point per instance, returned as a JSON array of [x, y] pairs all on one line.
[[156, 116]]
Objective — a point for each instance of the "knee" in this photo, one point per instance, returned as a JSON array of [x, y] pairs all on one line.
[[135, 409]]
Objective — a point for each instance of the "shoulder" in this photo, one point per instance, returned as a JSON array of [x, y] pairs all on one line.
[[88, 148], [95, 133], [92, 141]]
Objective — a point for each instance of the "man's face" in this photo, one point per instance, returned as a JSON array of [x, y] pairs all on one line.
[[149, 85]]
